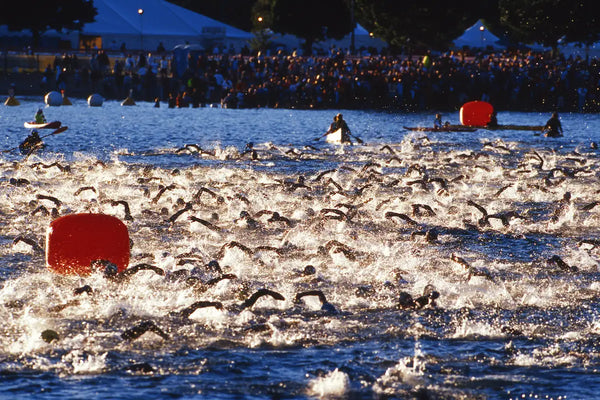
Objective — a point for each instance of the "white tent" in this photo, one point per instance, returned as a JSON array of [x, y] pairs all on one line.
[[146, 23], [362, 39], [478, 36]]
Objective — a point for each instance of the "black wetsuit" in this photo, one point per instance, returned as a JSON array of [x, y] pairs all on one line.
[[341, 124], [32, 142], [553, 127]]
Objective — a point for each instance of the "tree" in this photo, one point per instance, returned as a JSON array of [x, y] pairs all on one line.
[[426, 24], [312, 20], [40, 16], [548, 21], [232, 12]]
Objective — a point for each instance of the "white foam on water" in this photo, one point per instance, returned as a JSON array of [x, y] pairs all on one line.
[[333, 385]]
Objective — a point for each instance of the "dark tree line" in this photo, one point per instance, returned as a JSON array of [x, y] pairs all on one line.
[[39, 16], [423, 24]]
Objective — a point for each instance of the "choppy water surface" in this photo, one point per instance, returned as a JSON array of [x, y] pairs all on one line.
[[483, 219]]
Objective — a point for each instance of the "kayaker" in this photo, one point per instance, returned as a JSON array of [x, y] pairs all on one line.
[[31, 142], [339, 123], [437, 122], [40, 118], [553, 127], [493, 120]]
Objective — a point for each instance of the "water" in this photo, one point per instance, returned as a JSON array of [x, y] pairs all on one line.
[[508, 323]]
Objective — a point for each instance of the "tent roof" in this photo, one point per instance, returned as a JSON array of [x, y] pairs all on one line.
[[159, 18], [478, 36]]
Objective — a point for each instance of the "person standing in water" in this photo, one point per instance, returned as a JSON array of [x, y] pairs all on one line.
[[553, 127]]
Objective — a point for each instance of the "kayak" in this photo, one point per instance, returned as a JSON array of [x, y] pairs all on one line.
[[336, 137], [449, 128], [29, 147], [46, 125], [515, 128]]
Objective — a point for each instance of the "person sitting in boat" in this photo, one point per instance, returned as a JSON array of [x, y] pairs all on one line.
[[341, 124], [40, 118], [553, 127], [333, 126], [493, 120], [31, 143], [437, 122]]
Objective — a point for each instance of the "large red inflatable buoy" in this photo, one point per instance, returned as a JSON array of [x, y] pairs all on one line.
[[74, 241], [476, 113]]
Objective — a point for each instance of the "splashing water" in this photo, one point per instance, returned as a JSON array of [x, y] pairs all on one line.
[[485, 224]]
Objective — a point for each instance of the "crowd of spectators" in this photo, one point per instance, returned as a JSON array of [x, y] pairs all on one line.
[[510, 80]]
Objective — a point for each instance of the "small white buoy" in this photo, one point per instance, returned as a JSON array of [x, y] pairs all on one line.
[[95, 100], [53, 99]]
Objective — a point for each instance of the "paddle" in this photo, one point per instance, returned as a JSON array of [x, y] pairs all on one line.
[[56, 132], [322, 136], [359, 140]]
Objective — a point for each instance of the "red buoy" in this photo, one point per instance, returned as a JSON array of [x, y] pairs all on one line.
[[476, 113], [74, 241]]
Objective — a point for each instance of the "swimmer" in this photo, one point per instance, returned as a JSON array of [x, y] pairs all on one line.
[[43, 210], [406, 301], [501, 190], [290, 186], [34, 245], [430, 235], [590, 206], [84, 289], [144, 367], [220, 199], [338, 214], [173, 218], [250, 301], [143, 327], [250, 222], [161, 191], [322, 174], [56, 201], [556, 260], [205, 223], [233, 244], [111, 271], [49, 335], [562, 207], [125, 205], [392, 159], [200, 286], [325, 305], [56, 164], [334, 183], [83, 189], [404, 217], [275, 217], [388, 148], [427, 210], [19, 182], [471, 271], [189, 310]]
